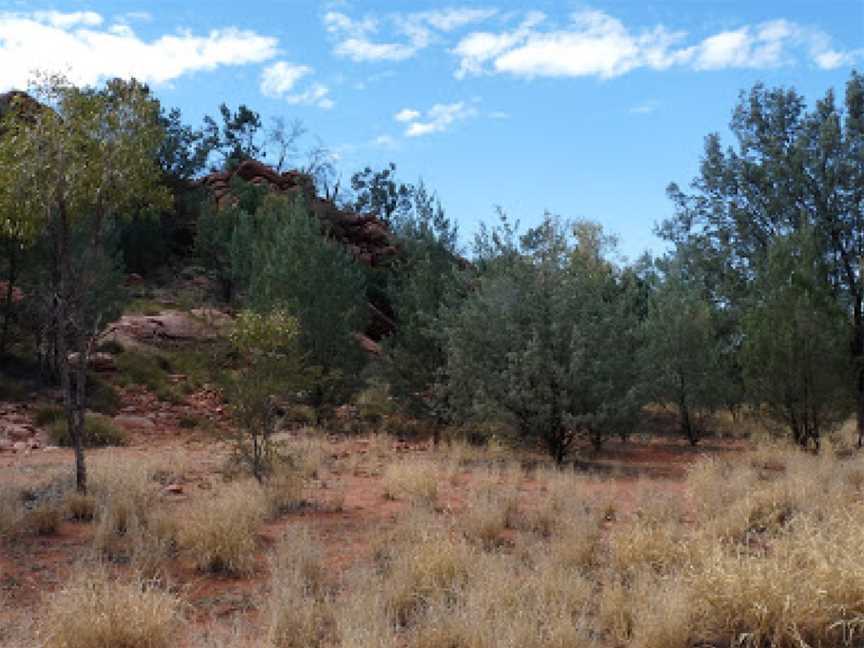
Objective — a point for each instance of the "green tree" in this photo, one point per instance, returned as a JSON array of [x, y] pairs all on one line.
[[681, 353], [544, 336], [791, 171], [795, 363], [297, 267], [237, 140], [269, 346], [83, 161], [379, 193], [424, 281]]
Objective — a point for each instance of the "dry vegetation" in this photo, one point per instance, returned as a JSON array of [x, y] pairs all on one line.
[[756, 548]]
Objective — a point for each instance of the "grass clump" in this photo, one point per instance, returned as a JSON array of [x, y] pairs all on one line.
[[99, 431], [221, 534], [301, 609], [416, 481], [94, 611]]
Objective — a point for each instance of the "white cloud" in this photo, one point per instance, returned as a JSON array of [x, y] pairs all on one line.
[[499, 114], [67, 20], [646, 107], [594, 43], [437, 119], [77, 44], [316, 95], [385, 141], [411, 32], [453, 18], [406, 115], [279, 78]]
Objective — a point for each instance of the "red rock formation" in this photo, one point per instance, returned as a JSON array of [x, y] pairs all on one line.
[[366, 237]]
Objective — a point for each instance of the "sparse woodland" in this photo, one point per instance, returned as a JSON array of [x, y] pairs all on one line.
[[246, 406]]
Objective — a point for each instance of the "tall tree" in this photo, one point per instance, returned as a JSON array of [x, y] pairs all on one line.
[[681, 356], [83, 161], [795, 361], [297, 268], [792, 170]]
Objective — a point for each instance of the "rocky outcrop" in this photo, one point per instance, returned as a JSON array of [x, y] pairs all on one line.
[[366, 236]]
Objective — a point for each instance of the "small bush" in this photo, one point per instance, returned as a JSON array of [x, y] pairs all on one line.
[[44, 519], [221, 534], [138, 368], [48, 414], [99, 432], [102, 397], [80, 507], [93, 611]]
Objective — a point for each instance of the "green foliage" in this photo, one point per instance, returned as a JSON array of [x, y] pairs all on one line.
[[794, 357], [379, 193], [792, 171], [101, 396], [272, 370], [545, 338], [98, 432], [313, 278], [681, 355], [237, 139], [149, 370], [424, 282]]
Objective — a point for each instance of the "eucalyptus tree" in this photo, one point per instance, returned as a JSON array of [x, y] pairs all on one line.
[[86, 159]]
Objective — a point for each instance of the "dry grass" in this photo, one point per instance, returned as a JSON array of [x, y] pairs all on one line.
[[300, 607], [220, 534], [94, 611], [414, 480]]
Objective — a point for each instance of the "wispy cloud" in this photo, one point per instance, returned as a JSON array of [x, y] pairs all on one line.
[[82, 46], [358, 39], [280, 80], [646, 107], [594, 43], [407, 115], [437, 119]]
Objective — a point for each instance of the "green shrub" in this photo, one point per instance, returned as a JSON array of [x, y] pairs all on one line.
[[47, 414], [137, 368], [102, 397], [99, 431]]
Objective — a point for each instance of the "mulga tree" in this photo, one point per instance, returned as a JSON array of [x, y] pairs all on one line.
[[426, 279], [795, 363], [298, 268], [681, 355], [790, 170], [542, 338], [84, 161]]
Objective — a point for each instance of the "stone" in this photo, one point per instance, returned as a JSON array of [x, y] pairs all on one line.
[[21, 446], [173, 489]]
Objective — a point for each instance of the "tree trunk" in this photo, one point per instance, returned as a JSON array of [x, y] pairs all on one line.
[[73, 395]]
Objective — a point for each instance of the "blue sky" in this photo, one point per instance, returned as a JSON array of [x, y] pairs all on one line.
[[587, 110]]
